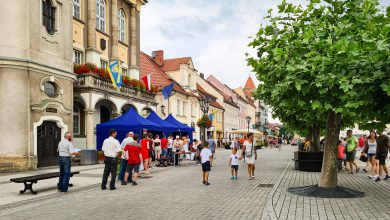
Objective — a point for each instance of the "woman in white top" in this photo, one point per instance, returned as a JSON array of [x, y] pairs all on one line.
[[371, 151], [249, 149], [186, 147]]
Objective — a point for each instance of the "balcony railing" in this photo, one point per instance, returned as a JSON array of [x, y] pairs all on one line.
[[96, 82]]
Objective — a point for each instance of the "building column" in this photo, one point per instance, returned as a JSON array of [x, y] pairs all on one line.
[[114, 29], [134, 42], [92, 53], [89, 130]]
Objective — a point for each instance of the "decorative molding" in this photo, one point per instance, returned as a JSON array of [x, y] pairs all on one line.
[[49, 103], [53, 80]]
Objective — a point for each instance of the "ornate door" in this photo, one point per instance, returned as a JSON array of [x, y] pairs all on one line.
[[49, 135]]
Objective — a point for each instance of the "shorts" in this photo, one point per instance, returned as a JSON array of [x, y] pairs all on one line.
[[370, 155], [131, 167], [382, 158], [157, 150], [206, 166], [351, 156], [235, 167], [165, 152]]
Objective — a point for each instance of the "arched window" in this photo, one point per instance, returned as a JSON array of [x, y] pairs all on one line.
[[48, 16], [76, 120], [121, 25], [101, 15], [76, 9]]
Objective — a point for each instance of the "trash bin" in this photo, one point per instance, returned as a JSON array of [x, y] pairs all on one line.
[[88, 157]]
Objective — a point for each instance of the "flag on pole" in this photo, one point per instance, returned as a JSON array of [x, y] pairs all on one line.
[[146, 80], [166, 92], [114, 71]]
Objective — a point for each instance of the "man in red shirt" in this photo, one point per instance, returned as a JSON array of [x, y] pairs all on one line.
[[133, 150], [164, 146]]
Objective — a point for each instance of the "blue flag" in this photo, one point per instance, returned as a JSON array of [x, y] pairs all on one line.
[[166, 92], [115, 73]]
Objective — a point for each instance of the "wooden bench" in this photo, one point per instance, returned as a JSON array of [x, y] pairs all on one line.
[[30, 180]]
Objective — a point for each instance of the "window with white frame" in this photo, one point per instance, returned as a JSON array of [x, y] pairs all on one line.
[[121, 25], [178, 107], [48, 16], [76, 120], [103, 63], [77, 57], [101, 15], [184, 108], [76, 9]]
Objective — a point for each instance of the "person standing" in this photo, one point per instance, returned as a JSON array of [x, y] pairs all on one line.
[[145, 152], [122, 170], [164, 147], [382, 150], [250, 155], [151, 150], [112, 149], [177, 146], [352, 144], [233, 163], [370, 149], [65, 152], [193, 149], [199, 146], [206, 157], [211, 147], [157, 147], [170, 146], [133, 150], [186, 150]]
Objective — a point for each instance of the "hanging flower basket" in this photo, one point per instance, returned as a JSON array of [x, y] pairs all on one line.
[[204, 122]]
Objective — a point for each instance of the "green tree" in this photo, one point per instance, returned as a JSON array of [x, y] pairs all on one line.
[[328, 61]]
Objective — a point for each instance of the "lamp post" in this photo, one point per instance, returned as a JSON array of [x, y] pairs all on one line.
[[248, 119], [204, 107]]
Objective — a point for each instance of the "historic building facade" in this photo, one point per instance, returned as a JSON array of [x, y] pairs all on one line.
[[105, 31], [36, 81]]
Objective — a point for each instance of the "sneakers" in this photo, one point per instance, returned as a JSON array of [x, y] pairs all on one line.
[[235, 177], [207, 183], [378, 179], [204, 182], [123, 183], [134, 183], [232, 178], [386, 178]]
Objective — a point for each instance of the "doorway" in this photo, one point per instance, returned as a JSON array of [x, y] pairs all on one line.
[[48, 138]]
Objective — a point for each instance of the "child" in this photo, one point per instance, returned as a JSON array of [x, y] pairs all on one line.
[[206, 158], [233, 163]]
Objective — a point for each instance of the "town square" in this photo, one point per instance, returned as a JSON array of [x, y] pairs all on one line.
[[194, 109]]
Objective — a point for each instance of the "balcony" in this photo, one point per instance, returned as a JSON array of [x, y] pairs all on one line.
[[90, 81]]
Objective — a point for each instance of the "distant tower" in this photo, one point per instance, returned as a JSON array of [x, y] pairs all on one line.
[[249, 87], [36, 81]]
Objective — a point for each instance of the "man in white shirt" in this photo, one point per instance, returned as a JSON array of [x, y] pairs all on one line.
[[177, 146], [65, 152], [112, 149], [170, 146], [206, 158], [127, 140]]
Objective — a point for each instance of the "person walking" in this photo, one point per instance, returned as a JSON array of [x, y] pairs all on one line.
[[206, 157], [145, 152], [370, 149], [250, 155], [382, 150], [233, 163], [122, 170], [211, 147], [65, 152], [352, 144], [112, 149], [133, 150]]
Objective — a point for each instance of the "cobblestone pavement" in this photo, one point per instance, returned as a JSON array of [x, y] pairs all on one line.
[[177, 193]]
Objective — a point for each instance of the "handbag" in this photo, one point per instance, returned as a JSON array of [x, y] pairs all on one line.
[[363, 158], [249, 153]]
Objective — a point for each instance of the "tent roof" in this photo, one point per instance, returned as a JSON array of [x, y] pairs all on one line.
[[173, 121], [153, 117]]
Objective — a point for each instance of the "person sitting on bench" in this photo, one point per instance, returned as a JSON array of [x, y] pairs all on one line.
[[65, 152]]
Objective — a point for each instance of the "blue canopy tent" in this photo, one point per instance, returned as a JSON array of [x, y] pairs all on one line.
[[167, 127], [180, 127], [130, 121]]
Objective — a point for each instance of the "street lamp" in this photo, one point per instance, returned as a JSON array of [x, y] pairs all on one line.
[[248, 119], [204, 107]]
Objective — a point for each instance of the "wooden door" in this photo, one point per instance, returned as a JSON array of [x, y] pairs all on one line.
[[49, 135]]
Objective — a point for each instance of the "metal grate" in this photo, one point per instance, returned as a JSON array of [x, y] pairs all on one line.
[[266, 185]]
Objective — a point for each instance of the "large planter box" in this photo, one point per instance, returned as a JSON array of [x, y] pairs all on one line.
[[308, 161]]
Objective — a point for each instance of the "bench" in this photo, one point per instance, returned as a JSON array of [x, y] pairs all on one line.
[[30, 180]]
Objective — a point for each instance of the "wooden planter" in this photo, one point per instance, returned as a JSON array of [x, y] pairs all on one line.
[[311, 161]]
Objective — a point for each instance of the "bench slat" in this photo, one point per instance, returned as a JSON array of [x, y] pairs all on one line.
[[39, 177]]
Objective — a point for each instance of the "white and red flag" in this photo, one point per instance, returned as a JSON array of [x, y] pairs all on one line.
[[146, 79]]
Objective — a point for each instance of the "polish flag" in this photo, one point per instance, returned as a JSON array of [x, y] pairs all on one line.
[[146, 80]]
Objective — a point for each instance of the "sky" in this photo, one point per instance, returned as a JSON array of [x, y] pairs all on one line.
[[215, 33]]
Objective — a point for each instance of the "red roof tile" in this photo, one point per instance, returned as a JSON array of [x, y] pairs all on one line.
[[226, 98], [249, 85], [158, 78], [204, 93], [174, 64]]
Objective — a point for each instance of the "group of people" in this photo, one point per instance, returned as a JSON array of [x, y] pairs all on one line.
[[373, 150]]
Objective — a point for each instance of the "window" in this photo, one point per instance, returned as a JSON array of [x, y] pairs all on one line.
[[76, 120], [121, 25], [77, 57], [76, 9], [178, 107], [50, 89], [101, 15], [184, 108], [103, 64], [124, 72], [48, 16]]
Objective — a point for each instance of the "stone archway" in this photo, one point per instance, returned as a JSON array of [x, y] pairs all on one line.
[[126, 108]]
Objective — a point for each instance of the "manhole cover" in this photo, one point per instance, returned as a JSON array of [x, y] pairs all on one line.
[[265, 185], [145, 177]]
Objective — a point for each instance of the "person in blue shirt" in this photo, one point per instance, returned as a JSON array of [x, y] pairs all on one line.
[[211, 147]]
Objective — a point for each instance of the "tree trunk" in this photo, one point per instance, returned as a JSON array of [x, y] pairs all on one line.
[[316, 137], [329, 163]]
